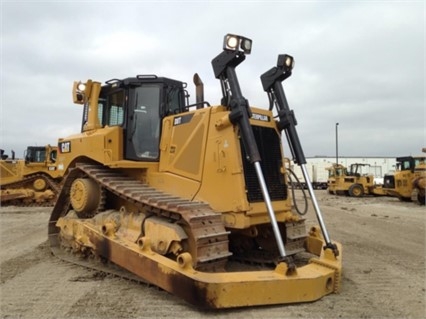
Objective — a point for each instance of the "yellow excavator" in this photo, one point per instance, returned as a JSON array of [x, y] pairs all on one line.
[[31, 181], [192, 198]]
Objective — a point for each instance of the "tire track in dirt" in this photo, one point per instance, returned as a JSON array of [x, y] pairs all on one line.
[[131, 300], [21, 232], [48, 294], [388, 289], [383, 266], [383, 272], [14, 266], [383, 247]]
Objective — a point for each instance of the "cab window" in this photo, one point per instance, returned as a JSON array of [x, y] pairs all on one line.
[[115, 109]]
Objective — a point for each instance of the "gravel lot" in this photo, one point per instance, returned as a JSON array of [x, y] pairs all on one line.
[[383, 277]]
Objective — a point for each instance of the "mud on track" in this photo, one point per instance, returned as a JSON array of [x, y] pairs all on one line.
[[384, 270]]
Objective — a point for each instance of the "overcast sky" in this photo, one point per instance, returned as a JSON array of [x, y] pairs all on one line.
[[358, 63]]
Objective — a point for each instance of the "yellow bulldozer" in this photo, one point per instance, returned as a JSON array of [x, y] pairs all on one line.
[[408, 183], [31, 181], [192, 198], [353, 182]]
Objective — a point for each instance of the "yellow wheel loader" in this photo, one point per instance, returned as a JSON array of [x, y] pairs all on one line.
[[419, 184], [32, 181], [408, 183], [352, 182], [191, 198]]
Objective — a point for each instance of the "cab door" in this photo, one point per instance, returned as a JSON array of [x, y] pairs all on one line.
[[143, 123]]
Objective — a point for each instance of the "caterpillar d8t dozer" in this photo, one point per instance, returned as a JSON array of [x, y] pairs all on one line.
[[31, 181], [191, 198]]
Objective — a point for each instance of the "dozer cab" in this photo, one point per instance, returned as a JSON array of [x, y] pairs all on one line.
[[408, 183], [191, 198], [33, 180]]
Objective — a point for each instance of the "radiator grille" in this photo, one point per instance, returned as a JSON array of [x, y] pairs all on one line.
[[269, 144]]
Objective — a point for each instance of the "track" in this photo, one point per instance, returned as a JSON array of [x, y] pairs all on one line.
[[208, 239], [10, 194]]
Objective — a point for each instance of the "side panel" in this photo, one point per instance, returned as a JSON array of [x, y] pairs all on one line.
[[403, 180], [182, 152], [183, 144], [223, 184], [202, 162], [50, 169], [102, 145]]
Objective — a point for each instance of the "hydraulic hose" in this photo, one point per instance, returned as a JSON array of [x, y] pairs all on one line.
[[305, 198]]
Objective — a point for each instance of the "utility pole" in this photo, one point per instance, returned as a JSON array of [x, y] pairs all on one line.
[[337, 143]]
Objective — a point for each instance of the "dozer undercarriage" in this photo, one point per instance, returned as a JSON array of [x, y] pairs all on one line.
[[184, 250], [163, 212], [34, 190]]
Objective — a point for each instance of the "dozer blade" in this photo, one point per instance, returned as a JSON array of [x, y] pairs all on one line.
[[321, 276], [7, 195]]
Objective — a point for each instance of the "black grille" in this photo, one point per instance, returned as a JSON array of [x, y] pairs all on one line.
[[269, 145]]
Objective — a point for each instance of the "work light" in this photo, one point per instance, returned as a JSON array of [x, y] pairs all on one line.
[[285, 61], [234, 42], [81, 86]]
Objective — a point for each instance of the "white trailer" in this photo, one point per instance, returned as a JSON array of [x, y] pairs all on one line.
[[317, 173]]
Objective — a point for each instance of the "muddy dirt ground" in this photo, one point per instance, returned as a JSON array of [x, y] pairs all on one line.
[[383, 276]]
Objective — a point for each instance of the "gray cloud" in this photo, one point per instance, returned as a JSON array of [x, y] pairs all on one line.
[[357, 63]]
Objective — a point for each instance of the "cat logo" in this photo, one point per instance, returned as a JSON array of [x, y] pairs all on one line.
[[65, 147], [260, 117], [179, 120]]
